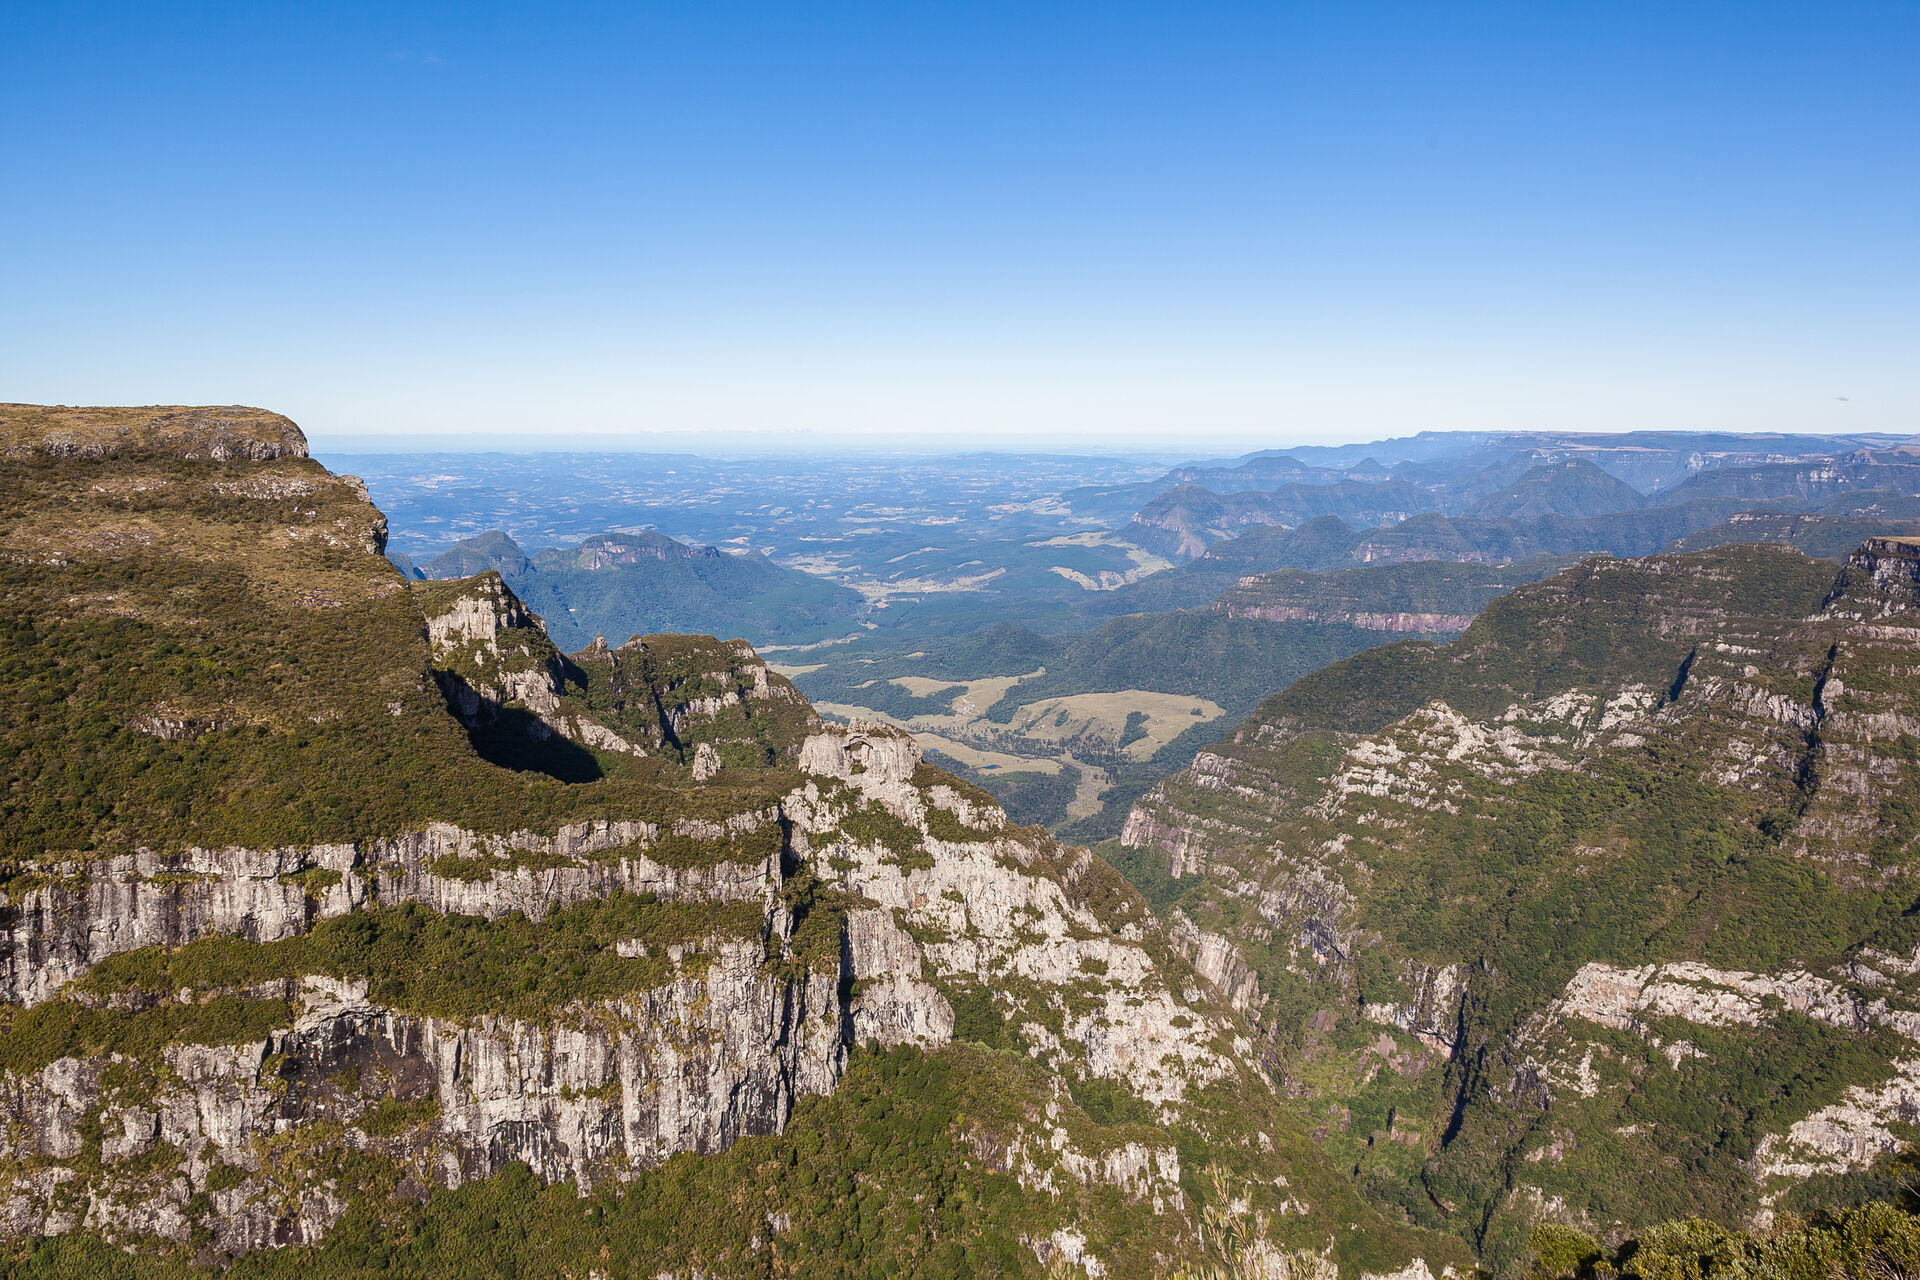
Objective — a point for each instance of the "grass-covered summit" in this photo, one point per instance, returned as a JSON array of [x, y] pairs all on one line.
[[204, 647]]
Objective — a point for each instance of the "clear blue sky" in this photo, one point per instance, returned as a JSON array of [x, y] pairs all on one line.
[[1108, 223]]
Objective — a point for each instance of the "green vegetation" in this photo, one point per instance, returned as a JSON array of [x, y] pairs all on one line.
[[31, 1038], [618, 585], [871, 823], [1232, 661], [413, 960], [1517, 878], [877, 1180], [748, 848], [1146, 870], [643, 688], [895, 1174], [1596, 626], [419, 961], [391, 1117], [1029, 797], [1874, 1240], [184, 674], [943, 824]]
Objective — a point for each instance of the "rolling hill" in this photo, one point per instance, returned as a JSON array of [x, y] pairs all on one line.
[[1574, 487]]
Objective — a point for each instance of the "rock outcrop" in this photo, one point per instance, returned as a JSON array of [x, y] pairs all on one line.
[[1644, 822]]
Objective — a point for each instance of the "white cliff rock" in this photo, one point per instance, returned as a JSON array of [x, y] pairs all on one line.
[[84, 913], [719, 1050], [988, 919]]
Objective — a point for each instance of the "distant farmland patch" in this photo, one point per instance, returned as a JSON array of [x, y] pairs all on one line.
[[1146, 720]]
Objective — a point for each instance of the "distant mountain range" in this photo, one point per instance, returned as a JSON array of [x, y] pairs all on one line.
[[1524, 478], [1329, 558], [621, 584]]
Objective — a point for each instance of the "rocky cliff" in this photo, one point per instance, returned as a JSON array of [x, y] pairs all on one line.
[[1597, 915], [337, 907], [1430, 598]]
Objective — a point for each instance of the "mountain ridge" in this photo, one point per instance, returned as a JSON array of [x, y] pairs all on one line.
[[351, 924], [1515, 873]]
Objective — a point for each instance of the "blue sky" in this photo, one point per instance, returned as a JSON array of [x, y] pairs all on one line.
[[1097, 226]]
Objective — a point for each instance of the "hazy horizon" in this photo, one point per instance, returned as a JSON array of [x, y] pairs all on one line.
[[770, 443]]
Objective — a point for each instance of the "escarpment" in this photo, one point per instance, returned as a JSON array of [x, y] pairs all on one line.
[[1432, 598], [331, 899], [858, 908], [1598, 915]]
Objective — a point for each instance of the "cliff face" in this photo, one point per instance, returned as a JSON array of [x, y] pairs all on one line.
[[1597, 914], [326, 895], [753, 1007], [1432, 597], [692, 1065]]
